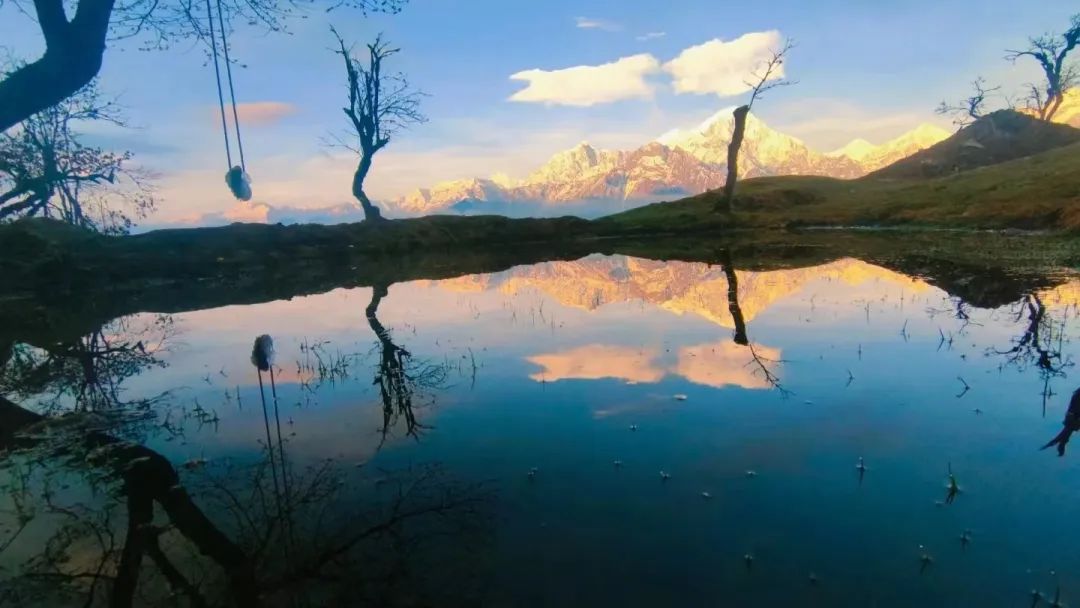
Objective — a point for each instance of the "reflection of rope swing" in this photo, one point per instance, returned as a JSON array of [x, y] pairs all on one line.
[[236, 178]]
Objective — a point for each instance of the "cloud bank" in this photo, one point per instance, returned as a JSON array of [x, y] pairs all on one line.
[[715, 67], [722, 68], [256, 113], [588, 85]]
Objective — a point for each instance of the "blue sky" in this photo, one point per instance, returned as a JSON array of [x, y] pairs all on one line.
[[865, 69]]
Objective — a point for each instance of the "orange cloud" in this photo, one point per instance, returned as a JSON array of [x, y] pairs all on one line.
[[716, 364], [257, 113], [725, 364], [595, 361]]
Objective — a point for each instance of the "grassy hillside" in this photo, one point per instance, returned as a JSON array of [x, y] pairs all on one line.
[[1037, 192], [995, 138]]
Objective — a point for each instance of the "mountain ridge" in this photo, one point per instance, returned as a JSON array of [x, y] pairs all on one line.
[[681, 162]]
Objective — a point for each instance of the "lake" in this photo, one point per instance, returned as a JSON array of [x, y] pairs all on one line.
[[606, 430]]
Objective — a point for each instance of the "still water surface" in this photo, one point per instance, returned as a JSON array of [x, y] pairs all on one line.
[[606, 431]]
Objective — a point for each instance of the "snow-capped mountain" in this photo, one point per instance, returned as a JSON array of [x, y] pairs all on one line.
[[871, 158], [677, 164], [764, 151]]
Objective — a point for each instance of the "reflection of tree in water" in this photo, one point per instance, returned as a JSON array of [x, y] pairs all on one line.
[[121, 525], [86, 374], [401, 378], [740, 337], [123, 528], [1040, 344], [1070, 425]]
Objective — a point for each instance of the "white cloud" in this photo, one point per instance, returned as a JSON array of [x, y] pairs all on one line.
[[651, 36], [587, 23], [722, 68], [588, 85]]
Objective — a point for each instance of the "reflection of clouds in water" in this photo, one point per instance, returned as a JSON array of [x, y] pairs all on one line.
[[716, 364], [725, 364], [596, 361], [1066, 294]]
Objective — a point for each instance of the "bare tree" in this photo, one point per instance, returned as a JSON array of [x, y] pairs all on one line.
[[767, 77], [1052, 53], [971, 109], [46, 169], [75, 47], [380, 104]]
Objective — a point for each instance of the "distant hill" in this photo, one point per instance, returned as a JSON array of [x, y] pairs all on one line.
[[995, 138]]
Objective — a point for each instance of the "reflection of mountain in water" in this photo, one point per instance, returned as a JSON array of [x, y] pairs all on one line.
[[679, 287]]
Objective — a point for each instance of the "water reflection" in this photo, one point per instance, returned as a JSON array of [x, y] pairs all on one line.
[[87, 374], [348, 488], [399, 376], [121, 526], [1071, 424]]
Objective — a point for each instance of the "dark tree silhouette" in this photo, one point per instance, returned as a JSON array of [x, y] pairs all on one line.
[[733, 299], [764, 79], [1041, 344], [146, 478], [380, 104], [398, 375], [1070, 425], [46, 170], [338, 550], [86, 374], [75, 45], [972, 108], [740, 336], [1051, 51]]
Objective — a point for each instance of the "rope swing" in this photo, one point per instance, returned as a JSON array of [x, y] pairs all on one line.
[[236, 178]]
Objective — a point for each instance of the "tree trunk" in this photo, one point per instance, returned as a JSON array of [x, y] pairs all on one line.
[[733, 299], [72, 59], [140, 515], [1052, 107], [725, 204], [371, 212]]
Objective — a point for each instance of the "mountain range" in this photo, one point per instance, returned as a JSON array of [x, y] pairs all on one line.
[[586, 180]]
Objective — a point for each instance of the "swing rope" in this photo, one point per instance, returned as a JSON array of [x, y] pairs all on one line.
[[221, 94], [232, 92]]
